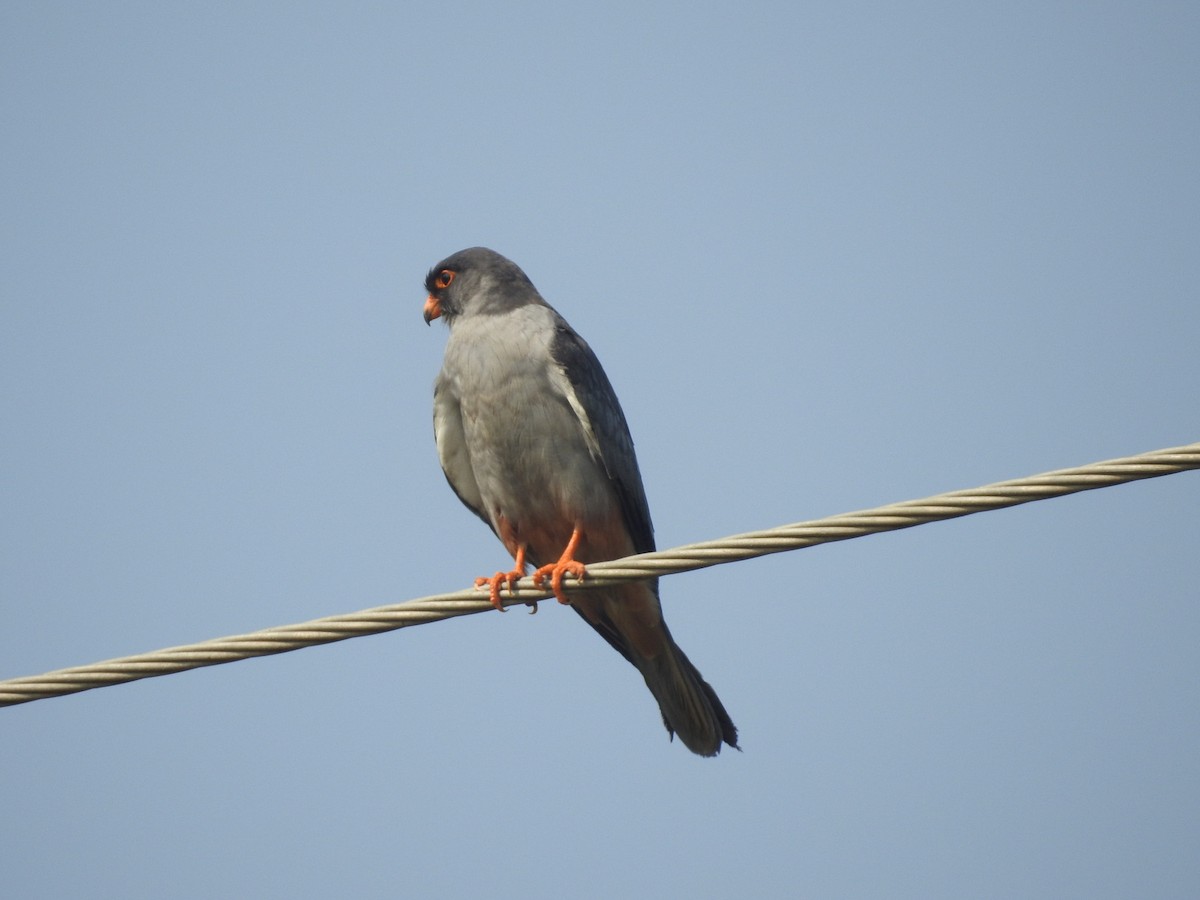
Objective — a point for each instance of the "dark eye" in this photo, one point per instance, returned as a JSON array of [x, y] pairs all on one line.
[[443, 279]]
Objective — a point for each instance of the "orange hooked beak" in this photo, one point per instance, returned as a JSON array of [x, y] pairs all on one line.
[[433, 309]]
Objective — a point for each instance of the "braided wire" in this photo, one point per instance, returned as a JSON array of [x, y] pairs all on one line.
[[664, 562]]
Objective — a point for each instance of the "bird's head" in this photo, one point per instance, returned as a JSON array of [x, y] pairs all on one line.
[[477, 281]]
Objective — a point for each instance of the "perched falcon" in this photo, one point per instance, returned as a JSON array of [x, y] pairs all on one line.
[[532, 439]]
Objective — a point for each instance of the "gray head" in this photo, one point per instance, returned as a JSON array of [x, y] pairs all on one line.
[[477, 281]]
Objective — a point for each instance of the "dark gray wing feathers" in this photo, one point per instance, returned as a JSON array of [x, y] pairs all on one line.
[[599, 401]]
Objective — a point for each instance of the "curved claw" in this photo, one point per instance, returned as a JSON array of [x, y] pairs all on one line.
[[556, 571], [566, 563], [510, 578], [493, 585]]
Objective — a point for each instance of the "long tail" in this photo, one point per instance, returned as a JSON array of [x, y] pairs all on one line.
[[689, 705], [630, 619]]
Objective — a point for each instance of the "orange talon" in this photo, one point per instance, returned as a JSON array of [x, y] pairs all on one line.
[[509, 578], [566, 563]]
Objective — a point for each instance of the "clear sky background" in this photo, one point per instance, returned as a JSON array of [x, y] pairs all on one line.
[[832, 255]]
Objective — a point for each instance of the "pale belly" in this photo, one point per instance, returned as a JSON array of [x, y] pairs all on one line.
[[537, 479]]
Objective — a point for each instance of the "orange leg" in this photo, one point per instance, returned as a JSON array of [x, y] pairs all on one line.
[[509, 578], [566, 563]]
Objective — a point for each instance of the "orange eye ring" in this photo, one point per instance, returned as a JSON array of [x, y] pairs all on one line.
[[443, 279]]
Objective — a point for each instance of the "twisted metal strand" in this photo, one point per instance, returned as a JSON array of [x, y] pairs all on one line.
[[647, 565]]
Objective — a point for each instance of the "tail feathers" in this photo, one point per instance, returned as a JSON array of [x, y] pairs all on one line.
[[689, 705], [630, 619]]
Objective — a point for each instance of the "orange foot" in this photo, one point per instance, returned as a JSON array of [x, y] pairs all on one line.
[[509, 578], [566, 563]]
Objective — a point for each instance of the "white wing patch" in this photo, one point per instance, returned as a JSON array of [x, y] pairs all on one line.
[[563, 383]]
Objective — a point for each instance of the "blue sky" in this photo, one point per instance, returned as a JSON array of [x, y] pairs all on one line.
[[831, 255]]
